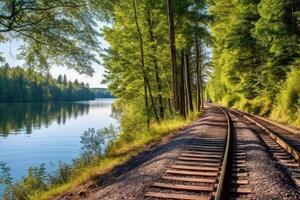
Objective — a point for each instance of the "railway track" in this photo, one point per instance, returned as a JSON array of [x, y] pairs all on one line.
[[212, 167], [283, 144]]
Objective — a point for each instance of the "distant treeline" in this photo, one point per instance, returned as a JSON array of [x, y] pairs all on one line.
[[102, 93], [26, 85]]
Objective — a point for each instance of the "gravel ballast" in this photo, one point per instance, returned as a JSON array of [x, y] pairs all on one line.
[[266, 179]]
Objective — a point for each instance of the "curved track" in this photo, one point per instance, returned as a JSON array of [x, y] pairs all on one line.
[[207, 169], [283, 144]]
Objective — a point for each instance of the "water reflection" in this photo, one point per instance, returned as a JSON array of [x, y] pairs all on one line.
[[23, 117], [56, 132]]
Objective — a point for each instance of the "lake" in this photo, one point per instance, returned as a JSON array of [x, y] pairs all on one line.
[[36, 133]]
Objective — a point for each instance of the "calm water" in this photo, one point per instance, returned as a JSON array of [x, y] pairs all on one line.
[[35, 133]]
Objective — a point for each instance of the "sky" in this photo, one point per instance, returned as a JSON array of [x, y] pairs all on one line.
[[10, 51]]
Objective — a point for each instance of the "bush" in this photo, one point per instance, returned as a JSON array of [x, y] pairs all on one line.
[[92, 143], [5, 178], [36, 180], [61, 175], [15, 192], [287, 108]]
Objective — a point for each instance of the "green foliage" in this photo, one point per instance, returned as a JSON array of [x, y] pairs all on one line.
[[61, 175], [25, 85], [287, 108], [102, 93], [256, 45], [93, 143], [54, 32], [138, 60], [132, 117], [34, 181], [5, 178], [122, 59]]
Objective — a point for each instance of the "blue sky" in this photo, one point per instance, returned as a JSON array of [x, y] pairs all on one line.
[[10, 51]]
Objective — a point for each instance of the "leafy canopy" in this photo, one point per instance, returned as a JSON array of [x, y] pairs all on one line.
[[56, 32]]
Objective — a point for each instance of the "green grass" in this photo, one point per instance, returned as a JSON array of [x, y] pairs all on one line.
[[105, 165], [118, 153]]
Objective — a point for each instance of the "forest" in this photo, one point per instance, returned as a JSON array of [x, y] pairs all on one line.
[[256, 57], [157, 60], [241, 54], [26, 85]]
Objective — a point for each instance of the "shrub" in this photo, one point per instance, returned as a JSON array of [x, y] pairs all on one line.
[[36, 180], [61, 175], [287, 108], [5, 178]]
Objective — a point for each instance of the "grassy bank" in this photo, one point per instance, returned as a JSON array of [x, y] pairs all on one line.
[[123, 149], [284, 108]]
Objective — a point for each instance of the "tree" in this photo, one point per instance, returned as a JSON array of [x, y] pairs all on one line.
[[235, 52], [144, 70], [173, 55], [188, 82], [76, 83], [65, 80], [55, 32], [60, 79], [256, 56], [154, 59], [182, 91], [139, 53]]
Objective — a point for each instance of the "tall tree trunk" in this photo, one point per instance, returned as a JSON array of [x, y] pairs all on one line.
[[182, 90], [152, 101], [170, 107], [186, 98], [173, 55], [145, 72], [146, 104], [201, 79], [156, 71], [199, 76], [188, 83], [159, 96]]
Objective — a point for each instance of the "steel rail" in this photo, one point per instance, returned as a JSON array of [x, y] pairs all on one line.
[[284, 127], [216, 169], [223, 183], [279, 140]]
